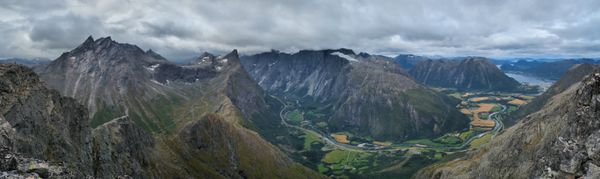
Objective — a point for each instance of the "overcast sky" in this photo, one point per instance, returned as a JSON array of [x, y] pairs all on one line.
[[183, 29]]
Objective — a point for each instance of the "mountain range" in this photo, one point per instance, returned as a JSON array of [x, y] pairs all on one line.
[[142, 116], [366, 94], [550, 70], [472, 73], [112, 110]]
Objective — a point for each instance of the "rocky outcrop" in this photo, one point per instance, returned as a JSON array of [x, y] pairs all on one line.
[[472, 73], [558, 141], [120, 148], [40, 124], [366, 94]]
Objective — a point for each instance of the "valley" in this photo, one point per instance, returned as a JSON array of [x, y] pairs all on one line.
[[343, 154], [299, 89]]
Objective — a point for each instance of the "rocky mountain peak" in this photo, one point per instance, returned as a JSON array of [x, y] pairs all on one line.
[[151, 53], [472, 73]]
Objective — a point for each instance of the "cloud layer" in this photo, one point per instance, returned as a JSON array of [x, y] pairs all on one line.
[[185, 28]]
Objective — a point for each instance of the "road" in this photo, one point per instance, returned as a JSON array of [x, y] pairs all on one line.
[[324, 137]]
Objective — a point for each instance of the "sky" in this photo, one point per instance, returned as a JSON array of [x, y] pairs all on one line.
[[183, 29]]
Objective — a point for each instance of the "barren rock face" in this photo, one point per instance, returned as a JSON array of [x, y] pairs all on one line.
[[469, 74], [39, 123]]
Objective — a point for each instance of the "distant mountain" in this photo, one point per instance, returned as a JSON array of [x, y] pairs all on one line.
[[407, 61], [473, 73], [158, 119], [551, 70], [560, 140], [27, 62], [574, 75], [366, 94]]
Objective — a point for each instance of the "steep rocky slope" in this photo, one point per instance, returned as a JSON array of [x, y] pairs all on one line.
[[558, 141], [144, 107], [472, 73], [575, 74], [363, 93], [39, 124], [407, 61]]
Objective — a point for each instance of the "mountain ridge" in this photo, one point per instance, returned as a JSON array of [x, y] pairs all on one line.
[[358, 89]]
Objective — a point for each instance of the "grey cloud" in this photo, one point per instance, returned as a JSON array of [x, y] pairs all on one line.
[[184, 28], [63, 31]]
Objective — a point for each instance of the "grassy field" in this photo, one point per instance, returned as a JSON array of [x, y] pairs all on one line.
[[517, 102], [309, 139], [322, 125], [445, 140], [294, 117], [467, 134], [341, 138], [480, 141]]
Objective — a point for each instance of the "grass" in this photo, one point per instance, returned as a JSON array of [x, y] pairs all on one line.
[[512, 109], [480, 141], [448, 140], [484, 115], [465, 135], [309, 139], [294, 117], [321, 168], [104, 115], [322, 125], [496, 108], [384, 143]]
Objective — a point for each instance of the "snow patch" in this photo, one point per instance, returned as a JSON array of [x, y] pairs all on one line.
[[218, 68], [152, 67], [347, 57], [154, 81]]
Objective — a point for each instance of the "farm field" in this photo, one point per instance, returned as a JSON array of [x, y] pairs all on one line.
[[369, 157]]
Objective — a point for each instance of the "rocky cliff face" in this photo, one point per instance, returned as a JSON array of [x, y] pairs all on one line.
[[367, 94], [558, 141], [473, 73], [120, 147], [49, 135], [111, 79], [39, 124]]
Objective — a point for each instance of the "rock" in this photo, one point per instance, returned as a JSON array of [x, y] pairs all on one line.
[[41, 172], [473, 73]]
